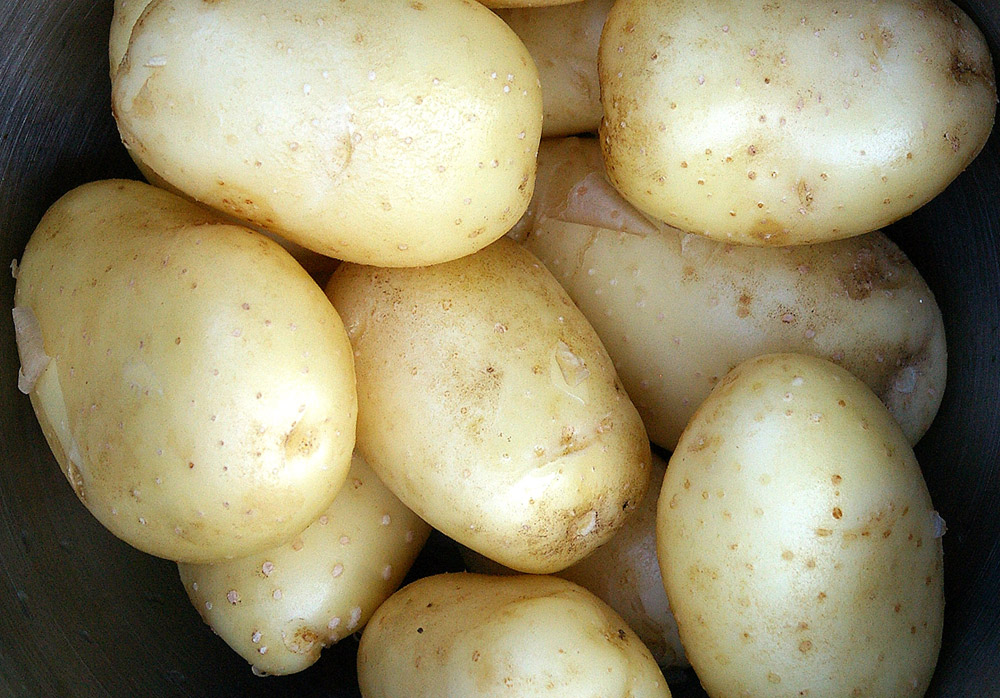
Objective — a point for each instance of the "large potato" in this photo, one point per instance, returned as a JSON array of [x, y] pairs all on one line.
[[623, 573], [677, 312], [395, 133], [799, 547], [193, 382], [516, 637], [563, 42], [279, 608], [488, 406], [796, 122]]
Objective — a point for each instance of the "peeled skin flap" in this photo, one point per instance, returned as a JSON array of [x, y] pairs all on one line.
[[676, 311]]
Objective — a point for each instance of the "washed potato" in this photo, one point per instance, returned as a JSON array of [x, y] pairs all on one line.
[[677, 311], [395, 133], [793, 122], [798, 543], [193, 382], [279, 608], [624, 574], [488, 406], [563, 42], [525, 636]]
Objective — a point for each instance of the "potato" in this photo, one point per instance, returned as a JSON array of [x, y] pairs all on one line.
[[623, 573], [475, 635], [794, 122], [126, 14], [797, 540], [487, 404], [279, 608], [677, 312], [193, 382], [395, 133], [563, 42]]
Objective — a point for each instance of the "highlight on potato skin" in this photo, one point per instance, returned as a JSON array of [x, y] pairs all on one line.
[[790, 123]]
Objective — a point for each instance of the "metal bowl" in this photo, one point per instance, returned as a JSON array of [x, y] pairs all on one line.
[[83, 614]]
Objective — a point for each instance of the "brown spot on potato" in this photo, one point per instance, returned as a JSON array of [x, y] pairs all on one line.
[[805, 194]]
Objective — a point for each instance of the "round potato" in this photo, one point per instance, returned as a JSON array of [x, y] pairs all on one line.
[[279, 608], [623, 573], [193, 382], [677, 311], [488, 406], [395, 133], [563, 41], [790, 123], [799, 547], [518, 637]]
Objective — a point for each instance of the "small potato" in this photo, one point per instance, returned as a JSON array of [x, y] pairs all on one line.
[[516, 637], [395, 133], [126, 14], [624, 574], [790, 123], [193, 382], [279, 608], [563, 42], [677, 312], [488, 406], [799, 547]]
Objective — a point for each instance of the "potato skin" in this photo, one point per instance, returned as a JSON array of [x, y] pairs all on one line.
[[486, 381], [783, 123], [395, 133], [200, 396], [799, 547], [563, 42], [678, 311], [279, 608], [475, 635]]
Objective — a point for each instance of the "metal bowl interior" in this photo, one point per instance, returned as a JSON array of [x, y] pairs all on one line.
[[83, 614]]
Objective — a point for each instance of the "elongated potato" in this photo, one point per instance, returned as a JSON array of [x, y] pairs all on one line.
[[563, 41], [624, 574], [488, 406], [677, 312], [789, 123], [516, 637], [395, 133], [195, 385], [798, 543], [279, 608]]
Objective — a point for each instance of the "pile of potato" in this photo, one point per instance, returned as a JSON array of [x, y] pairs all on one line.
[[706, 274]]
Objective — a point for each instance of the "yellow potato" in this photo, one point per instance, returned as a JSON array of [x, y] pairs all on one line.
[[677, 311], [279, 608], [563, 41], [516, 637], [488, 406], [396, 133], [794, 122], [193, 382], [799, 547], [526, 3], [624, 574]]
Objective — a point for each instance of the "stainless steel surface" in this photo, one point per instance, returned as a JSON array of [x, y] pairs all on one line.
[[82, 614]]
